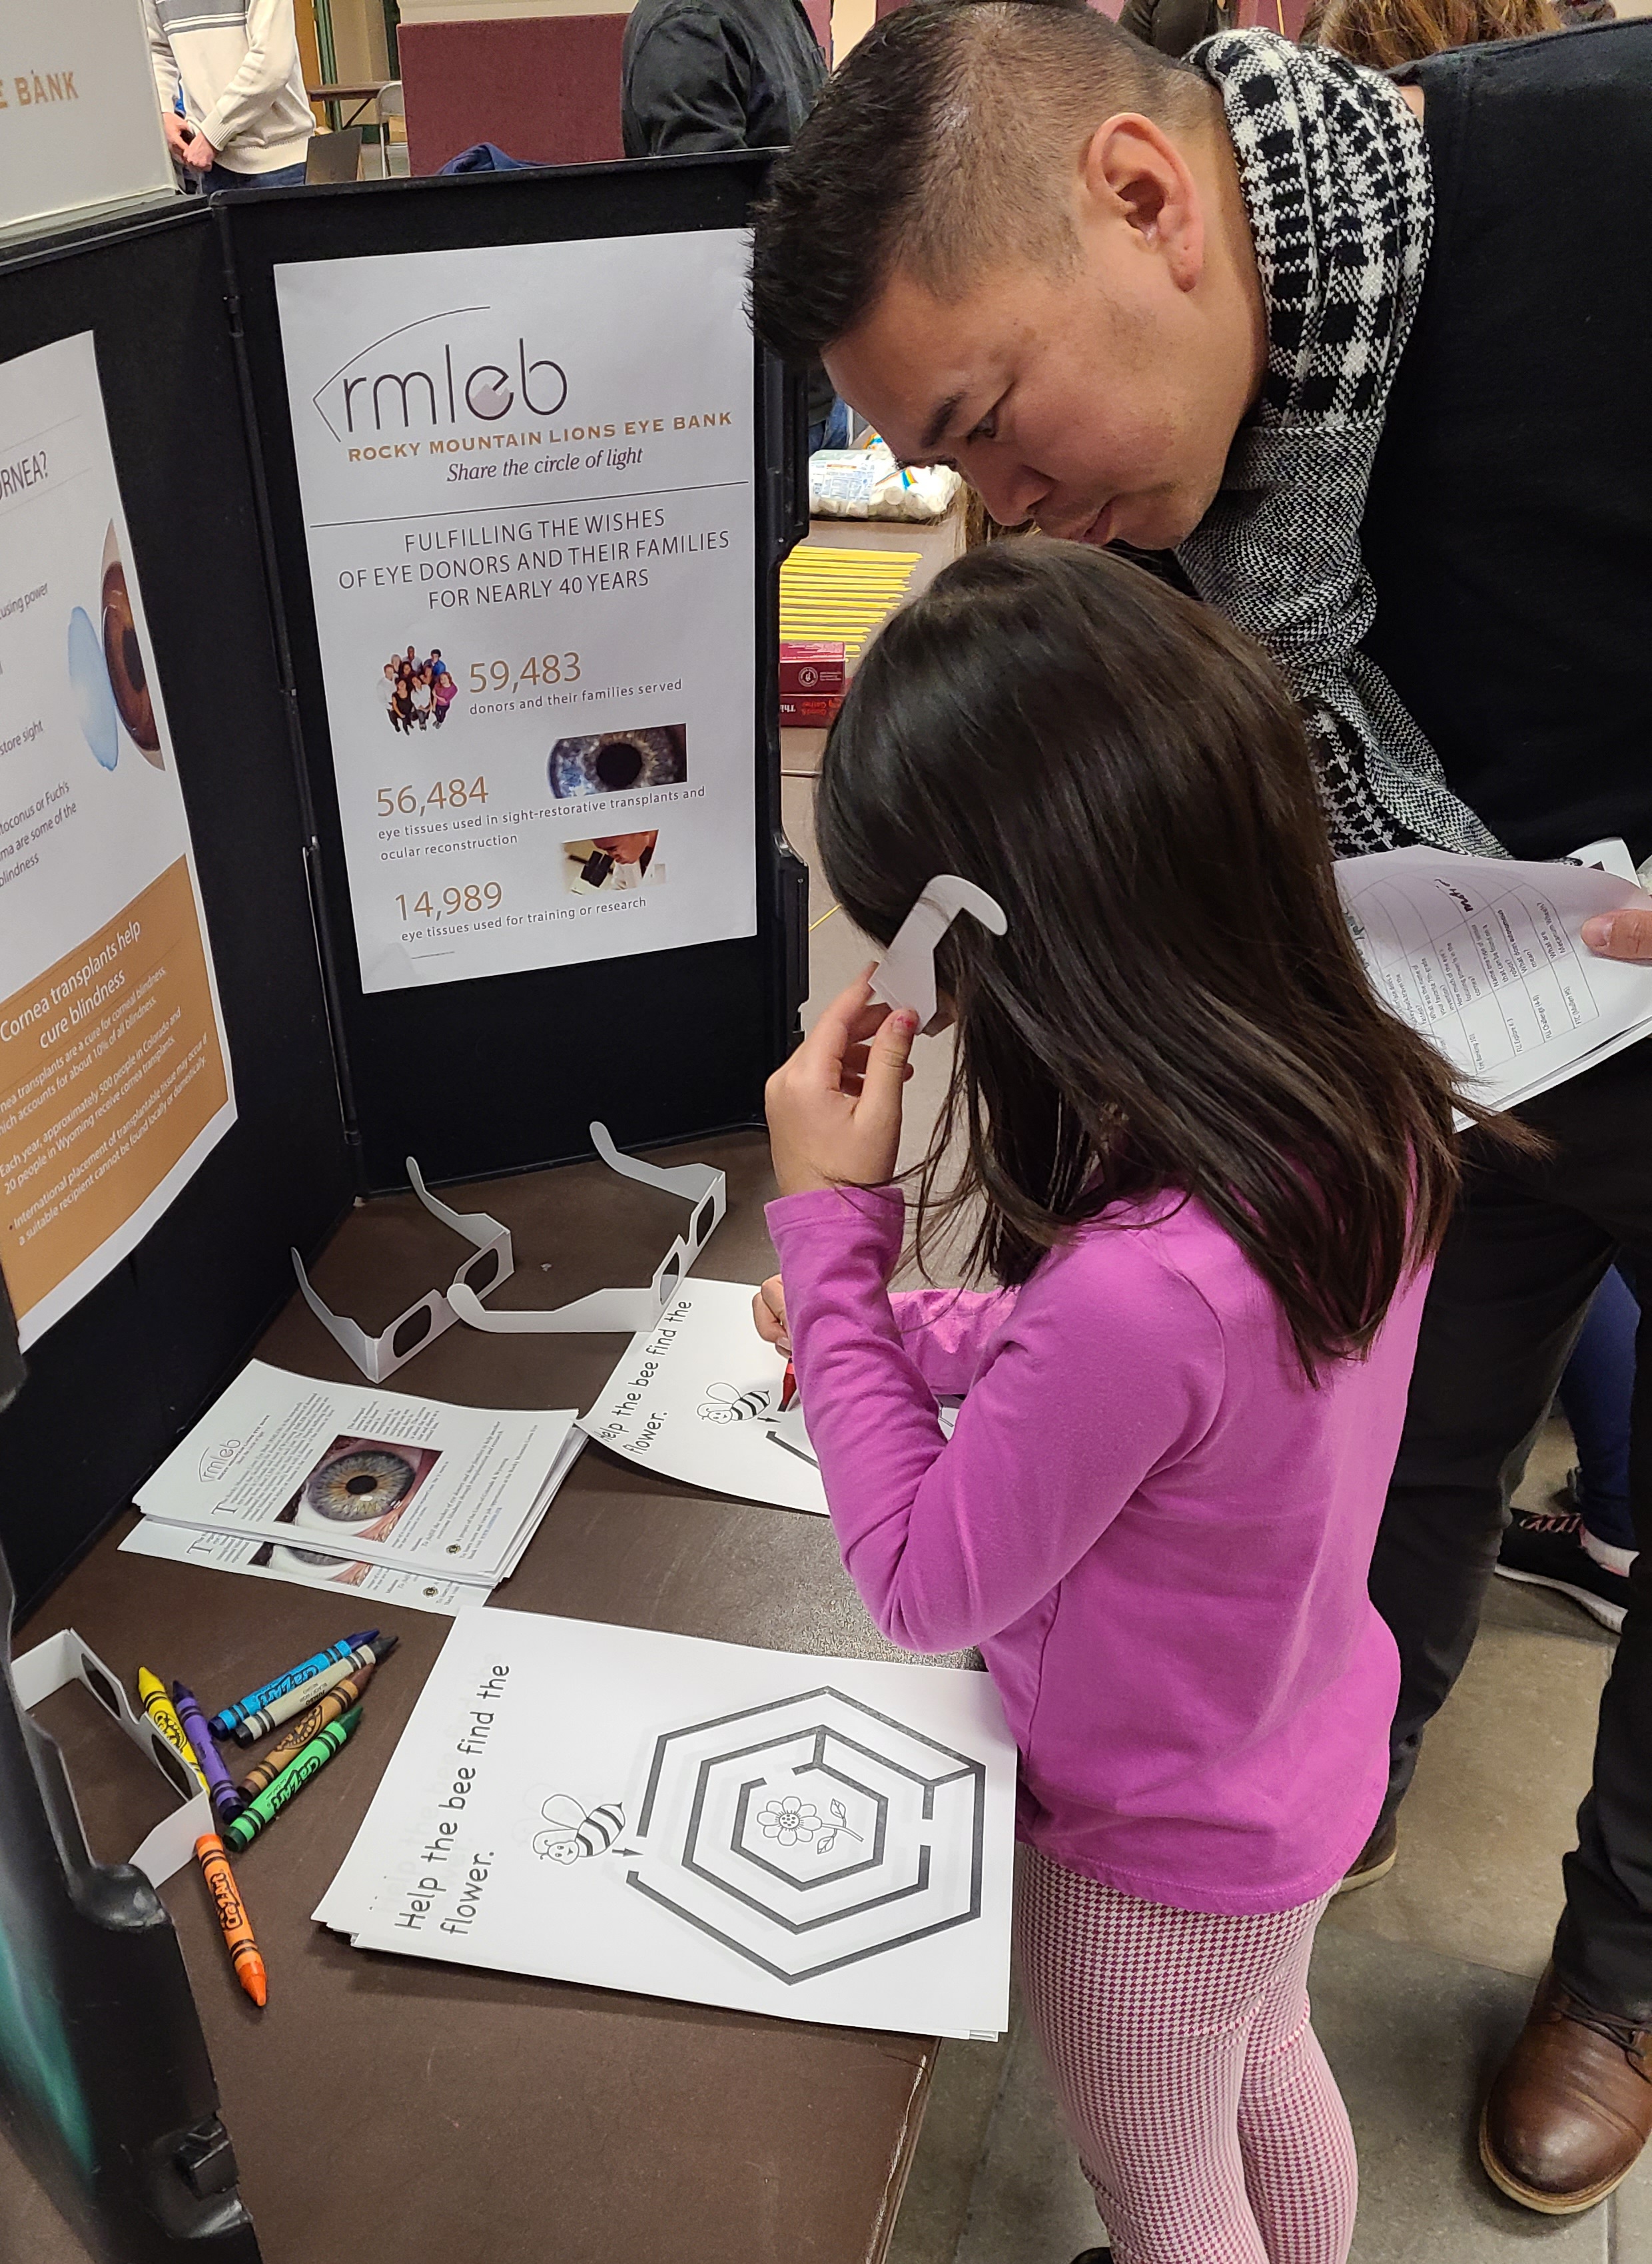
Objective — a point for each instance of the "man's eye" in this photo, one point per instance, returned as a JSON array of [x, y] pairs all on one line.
[[988, 428]]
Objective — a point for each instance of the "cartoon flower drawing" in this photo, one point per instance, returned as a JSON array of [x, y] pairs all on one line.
[[789, 1820]]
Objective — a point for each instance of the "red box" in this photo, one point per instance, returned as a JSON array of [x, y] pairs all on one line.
[[812, 677]]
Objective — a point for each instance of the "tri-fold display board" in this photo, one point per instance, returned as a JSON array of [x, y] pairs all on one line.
[[388, 745]]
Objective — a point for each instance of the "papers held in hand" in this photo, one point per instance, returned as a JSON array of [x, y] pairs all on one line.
[[905, 976]]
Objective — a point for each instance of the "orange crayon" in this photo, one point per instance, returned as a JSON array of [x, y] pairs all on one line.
[[232, 1916]]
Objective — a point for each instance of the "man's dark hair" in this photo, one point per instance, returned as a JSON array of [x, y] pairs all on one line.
[[939, 147]]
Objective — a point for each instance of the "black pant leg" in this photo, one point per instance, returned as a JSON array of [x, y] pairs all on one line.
[[1603, 1947], [1510, 1287]]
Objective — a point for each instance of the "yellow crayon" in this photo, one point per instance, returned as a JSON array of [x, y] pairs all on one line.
[[159, 1707]]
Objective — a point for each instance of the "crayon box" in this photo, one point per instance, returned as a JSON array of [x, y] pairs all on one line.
[[811, 682]]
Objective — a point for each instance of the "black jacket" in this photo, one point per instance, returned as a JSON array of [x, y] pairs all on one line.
[[1172, 26], [704, 75], [1509, 524]]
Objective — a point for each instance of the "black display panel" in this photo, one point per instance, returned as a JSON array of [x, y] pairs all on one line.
[[505, 1071]]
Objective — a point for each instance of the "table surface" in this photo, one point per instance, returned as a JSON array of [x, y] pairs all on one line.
[[467, 2114]]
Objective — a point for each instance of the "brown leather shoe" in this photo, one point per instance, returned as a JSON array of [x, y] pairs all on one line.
[[1571, 2107]]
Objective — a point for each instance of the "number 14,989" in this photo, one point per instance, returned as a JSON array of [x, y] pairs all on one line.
[[475, 897]]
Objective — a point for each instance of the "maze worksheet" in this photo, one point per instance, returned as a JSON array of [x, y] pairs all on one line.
[[825, 1839]]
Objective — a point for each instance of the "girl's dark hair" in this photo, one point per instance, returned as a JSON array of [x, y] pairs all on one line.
[[1177, 1003]]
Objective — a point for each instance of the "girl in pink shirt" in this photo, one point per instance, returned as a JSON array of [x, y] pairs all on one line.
[[1207, 1171]]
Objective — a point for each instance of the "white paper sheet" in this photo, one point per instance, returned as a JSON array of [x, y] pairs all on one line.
[[1483, 956], [698, 1398], [413, 1483], [306, 1568], [821, 1838]]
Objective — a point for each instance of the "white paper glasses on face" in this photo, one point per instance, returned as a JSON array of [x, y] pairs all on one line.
[[624, 1310], [435, 1313], [905, 976]]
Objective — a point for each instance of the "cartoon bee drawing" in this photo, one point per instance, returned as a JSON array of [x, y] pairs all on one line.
[[572, 1831], [727, 1402]]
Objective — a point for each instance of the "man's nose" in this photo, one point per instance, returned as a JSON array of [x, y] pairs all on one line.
[[1011, 492]]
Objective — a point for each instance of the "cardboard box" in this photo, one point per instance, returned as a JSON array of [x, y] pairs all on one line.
[[812, 681]]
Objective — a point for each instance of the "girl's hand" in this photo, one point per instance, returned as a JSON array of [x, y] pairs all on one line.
[[835, 1107], [768, 1310]]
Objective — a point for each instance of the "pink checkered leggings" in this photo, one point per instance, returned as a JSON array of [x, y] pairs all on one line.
[[1207, 2119]]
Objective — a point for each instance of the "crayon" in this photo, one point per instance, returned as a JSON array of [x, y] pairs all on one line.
[[293, 1778], [788, 1387], [223, 1722], [232, 1917], [339, 1700], [220, 1784], [159, 1707], [270, 1717]]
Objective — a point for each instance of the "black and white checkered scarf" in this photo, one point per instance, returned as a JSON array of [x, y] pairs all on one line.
[[1334, 174]]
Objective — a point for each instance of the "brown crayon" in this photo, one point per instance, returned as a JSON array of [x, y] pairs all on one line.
[[338, 1701]]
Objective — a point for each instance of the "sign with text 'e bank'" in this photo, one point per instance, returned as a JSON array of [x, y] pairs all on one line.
[[80, 121]]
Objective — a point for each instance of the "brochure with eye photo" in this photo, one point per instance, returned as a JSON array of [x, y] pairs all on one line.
[[373, 1477]]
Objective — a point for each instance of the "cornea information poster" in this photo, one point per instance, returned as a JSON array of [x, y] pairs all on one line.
[[114, 1070], [526, 475]]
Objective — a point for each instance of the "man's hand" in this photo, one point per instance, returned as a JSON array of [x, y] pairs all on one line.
[[768, 1310], [199, 154], [835, 1107], [1625, 934], [176, 135]]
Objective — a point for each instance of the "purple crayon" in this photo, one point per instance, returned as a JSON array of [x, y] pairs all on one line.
[[226, 1802]]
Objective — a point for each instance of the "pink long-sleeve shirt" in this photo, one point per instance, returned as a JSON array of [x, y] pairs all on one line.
[[1156, 1530]]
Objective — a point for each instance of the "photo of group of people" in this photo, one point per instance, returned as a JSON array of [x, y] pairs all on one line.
[[418, 692]]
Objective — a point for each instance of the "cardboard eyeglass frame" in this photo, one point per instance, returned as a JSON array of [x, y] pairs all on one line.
[[620, 1311], [905, 976], [379, 1357]]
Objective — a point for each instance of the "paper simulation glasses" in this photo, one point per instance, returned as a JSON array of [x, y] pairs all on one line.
[[625, 1310], [905, 976], [422, 1324], [63, 1658]]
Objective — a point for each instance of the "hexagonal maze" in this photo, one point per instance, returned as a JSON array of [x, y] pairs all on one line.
[[812, 1833]]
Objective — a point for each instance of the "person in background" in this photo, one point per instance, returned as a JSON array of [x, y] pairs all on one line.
[[1209, 1174], [1173, 26], [702, 75], [1584, 1546], [246, 121], [1384, 33]]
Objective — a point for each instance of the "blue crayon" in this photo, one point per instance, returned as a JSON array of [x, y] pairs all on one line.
[[226, 1797], [223, 1723]]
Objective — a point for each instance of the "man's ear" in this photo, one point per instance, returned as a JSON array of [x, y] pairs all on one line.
[[1132, 175]]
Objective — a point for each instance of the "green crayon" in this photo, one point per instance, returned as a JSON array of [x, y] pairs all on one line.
[[297, 1774]]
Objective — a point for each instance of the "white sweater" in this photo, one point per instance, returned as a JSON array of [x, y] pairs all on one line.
[[237, 62]]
